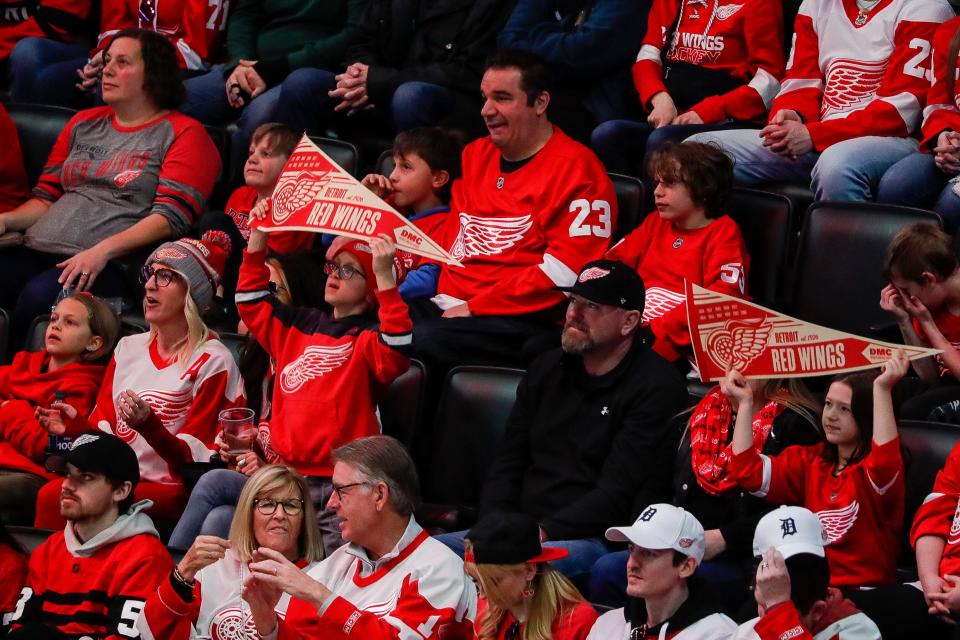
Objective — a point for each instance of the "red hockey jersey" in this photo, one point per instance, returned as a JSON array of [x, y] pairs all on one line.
[[417, 591], [744, 40], [949, 326], [216, 611], [941, 113], [185, 398], [13, 576], [330, 373], [196, 28], [939, 515], [25, 384], [714, 257], [861, 507], [238, 208], [57, 19], [14, 189], [97, 588], [841, 620], [848, 80], [520, 234]]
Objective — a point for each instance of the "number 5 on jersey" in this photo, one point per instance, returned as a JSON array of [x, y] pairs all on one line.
[[584, 224]]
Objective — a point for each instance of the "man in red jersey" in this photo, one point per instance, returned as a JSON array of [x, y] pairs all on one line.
[[92, 578], [531, 208]]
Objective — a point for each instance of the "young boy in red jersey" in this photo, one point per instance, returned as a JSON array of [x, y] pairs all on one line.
[[924, 298], [93, 578], [426, 162], [688, 239], [331, 368]]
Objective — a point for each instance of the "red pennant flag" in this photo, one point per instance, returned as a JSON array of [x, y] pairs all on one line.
[[315, 194], [761, 343]]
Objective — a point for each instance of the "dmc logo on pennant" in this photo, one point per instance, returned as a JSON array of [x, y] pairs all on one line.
[[86, 438], [593, 273], [787, 527], [647, 514]]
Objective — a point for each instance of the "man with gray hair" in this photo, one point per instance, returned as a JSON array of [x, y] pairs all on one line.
[[391, 581]]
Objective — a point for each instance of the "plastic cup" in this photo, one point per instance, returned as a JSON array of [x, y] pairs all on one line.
[[239, 431]]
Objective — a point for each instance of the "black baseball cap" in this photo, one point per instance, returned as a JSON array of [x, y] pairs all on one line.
[[609, 282], [97, 451], [509, 538]]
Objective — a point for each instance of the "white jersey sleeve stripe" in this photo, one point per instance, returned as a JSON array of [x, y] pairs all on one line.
[[650, 53], [907, 106], [767, 478], [796, 84], [559, 273], [766, 85]]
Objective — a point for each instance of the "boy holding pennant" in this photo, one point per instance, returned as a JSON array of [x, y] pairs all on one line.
[[731, 333], [315, 194]]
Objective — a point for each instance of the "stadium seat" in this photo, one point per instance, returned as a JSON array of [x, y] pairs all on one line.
[[234, 342], [836, 281], [629, 204], [129, 325], [223, 186], [475, 402], [29, 537], [926, 447], [38, 126], [342, 152], [767, 223], [401, 412], [385, 163], [4, 332], [799, 195]]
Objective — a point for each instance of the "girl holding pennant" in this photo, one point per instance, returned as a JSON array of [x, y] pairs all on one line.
[[332, 368], [853, 480]]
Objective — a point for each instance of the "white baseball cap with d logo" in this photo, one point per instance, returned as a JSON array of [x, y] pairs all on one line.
[[663, 526]]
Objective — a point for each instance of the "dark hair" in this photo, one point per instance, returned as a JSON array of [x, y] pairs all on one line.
[[438, 147], [679, 558], [302, 271], [535, 75], [124, 505], [918, 248], [704, 169], [161, 68], [809, 579], [283, 139], [861, 407]]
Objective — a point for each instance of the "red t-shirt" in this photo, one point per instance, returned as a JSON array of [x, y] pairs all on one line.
[[14, 189]]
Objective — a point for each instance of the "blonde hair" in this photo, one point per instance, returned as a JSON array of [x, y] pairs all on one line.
[[553, 597], [268, 479], [197, 331], [103, 322]]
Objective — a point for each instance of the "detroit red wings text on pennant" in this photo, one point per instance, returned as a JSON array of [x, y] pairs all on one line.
[[728, 332], [315, 194]]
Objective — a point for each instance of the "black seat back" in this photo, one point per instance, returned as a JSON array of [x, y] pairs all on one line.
[[401, 411], [926, 446], [38, 126], [29, 538], [475, 403], [385, 163], [766, 221], [221, 188], [340, 151], [234, 342], [837, 279], [629, 204]]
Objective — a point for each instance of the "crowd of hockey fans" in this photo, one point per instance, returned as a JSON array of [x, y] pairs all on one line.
[[623, 501]]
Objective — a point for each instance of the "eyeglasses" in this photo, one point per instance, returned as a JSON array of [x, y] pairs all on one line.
[[340, 489], [164, 276], [276, 288], [267, 506], [343, 271]]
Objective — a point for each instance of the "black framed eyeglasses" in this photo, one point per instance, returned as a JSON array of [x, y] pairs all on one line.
[[275, 288], [267, 506], [343, 271], [163, 275], [339, 489]]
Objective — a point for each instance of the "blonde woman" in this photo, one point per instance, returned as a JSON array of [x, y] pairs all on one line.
[[164, 389], [201, 596], [521, 596]]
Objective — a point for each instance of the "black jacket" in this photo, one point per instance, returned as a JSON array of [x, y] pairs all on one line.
[[579, 449], [442, 42], [737, 513]]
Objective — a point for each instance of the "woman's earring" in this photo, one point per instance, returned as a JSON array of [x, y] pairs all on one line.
[[528, 591]]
